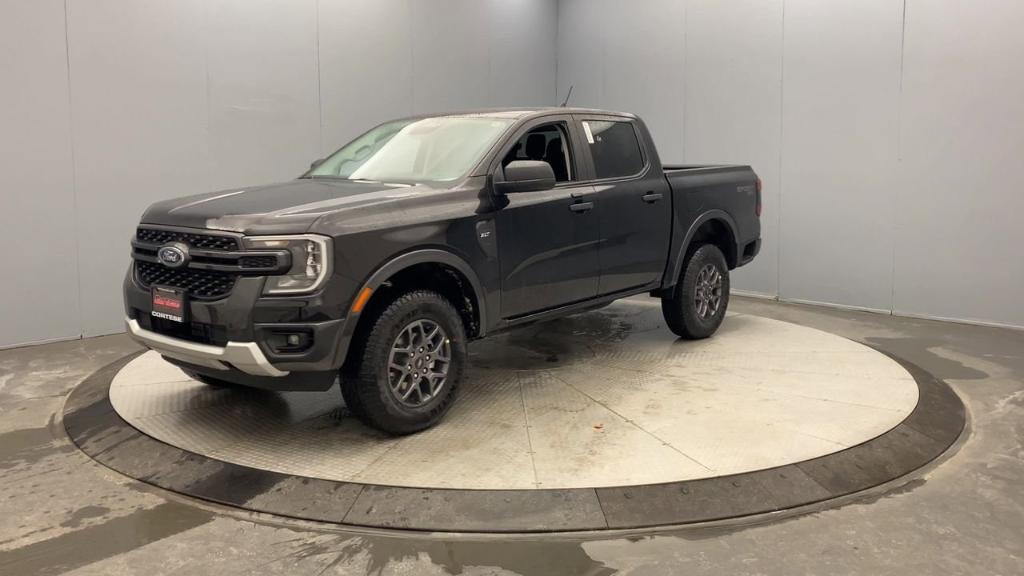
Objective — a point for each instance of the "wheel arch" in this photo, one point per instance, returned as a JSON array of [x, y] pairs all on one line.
[[714, 225], [439, 260]]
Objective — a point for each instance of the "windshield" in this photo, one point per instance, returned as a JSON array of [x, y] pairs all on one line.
[[429, 149]]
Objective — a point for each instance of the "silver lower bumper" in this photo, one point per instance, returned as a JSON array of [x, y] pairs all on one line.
[[245, 356]]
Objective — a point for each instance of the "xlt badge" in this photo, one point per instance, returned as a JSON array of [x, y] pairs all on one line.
[[485, 238]]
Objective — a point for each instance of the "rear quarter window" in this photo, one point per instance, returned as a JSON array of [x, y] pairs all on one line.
[[614, 148]]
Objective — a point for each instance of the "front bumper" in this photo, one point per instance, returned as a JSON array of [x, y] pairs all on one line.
[[245, 356], [233, 338]]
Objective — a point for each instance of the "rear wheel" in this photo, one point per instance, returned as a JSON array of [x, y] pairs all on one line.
[[696, 306], [410, 365]]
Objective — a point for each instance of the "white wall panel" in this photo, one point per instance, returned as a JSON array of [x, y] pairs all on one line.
[[381, 60], [619, 57], [959, 236], [38, 298], [365, 66], [450, 55], [174, 98], [264, 120], [883, 150], [840, 113], [522, 52], [138, 91], [873, 198], [645, 57], [733, 108], [581, 56]]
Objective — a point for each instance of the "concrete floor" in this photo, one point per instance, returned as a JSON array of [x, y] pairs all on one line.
[[63, 513]]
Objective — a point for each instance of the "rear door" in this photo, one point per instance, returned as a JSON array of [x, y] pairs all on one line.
[[636, 210], [547, 240]]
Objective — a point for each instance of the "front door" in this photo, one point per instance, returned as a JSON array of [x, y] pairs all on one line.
[[547, 240], [636, 210]]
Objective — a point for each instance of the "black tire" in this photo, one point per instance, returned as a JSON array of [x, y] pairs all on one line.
[[366, 384], [680, 307]]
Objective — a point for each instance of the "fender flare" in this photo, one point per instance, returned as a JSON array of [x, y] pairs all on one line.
[[680, 255], [432, 256]]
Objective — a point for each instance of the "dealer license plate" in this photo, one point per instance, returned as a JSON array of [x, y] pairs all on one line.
[[169, 303]]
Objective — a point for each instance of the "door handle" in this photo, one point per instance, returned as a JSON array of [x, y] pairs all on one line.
[[581, 206], [651, 197]]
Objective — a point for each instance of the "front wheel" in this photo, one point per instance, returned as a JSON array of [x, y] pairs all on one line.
[[411, 365], [696, 306]]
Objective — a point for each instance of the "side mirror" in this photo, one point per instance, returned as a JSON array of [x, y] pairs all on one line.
[[316, 163], [526, 176]]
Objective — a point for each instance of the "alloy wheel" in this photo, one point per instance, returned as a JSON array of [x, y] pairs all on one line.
[[418, 363], [708, 293]]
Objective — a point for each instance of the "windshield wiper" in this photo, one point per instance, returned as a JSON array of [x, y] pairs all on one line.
[[333, 177], [362, 180]]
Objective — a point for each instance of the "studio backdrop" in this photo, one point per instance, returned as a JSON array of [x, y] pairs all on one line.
[[888, 133]]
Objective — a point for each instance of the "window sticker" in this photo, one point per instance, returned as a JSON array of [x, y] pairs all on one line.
[[590, 135]]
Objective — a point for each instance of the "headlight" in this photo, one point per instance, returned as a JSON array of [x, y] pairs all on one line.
[[311, 262]]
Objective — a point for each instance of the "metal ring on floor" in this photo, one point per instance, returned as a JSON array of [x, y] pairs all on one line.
[[927, 432]]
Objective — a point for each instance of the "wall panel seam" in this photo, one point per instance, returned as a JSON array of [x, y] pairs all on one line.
[[74, 177], [319, 92], [778, 192], [898, 171]]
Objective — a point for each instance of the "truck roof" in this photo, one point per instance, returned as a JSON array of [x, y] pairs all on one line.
[[520, 113]]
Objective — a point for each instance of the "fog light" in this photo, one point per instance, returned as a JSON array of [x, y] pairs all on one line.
[[290, 342]]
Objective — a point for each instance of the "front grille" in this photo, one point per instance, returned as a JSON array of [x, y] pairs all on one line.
[[257, 261], [198, 283], [201, 241]]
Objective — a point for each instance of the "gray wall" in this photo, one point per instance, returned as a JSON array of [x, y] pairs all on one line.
[[37, 217], [109, 105], [887, 133]]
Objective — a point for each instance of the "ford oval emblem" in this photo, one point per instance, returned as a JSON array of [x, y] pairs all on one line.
[[173, 255]]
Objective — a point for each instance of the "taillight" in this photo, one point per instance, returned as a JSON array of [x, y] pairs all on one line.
[[757, 206]]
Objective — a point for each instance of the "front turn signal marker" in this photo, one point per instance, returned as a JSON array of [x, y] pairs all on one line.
[[361, 300]]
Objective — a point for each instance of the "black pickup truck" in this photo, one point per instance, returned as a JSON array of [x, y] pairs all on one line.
[[381, 262]]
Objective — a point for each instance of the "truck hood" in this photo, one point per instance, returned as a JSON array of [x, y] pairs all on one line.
[[285, 208]]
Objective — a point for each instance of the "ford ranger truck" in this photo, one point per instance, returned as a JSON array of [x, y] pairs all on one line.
[[377, 266]]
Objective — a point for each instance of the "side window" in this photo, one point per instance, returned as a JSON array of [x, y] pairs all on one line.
[[614, 148], [549, 143]]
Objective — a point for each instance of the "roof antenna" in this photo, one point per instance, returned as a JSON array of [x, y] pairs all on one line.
[[567, 96]]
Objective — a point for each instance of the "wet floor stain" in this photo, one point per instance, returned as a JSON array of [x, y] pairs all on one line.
[[84, 513], [101, 541], [550, 344], [379, 554], [25, 447], [920, 351], [25, 450]]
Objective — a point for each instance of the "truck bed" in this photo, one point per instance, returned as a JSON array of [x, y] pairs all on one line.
[[729, 192], [691, 167]]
